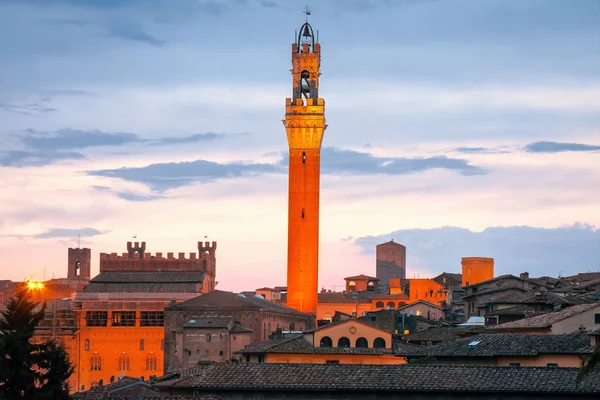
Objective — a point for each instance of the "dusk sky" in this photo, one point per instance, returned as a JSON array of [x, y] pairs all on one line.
[[458, 128]]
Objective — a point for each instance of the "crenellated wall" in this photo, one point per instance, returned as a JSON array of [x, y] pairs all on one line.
[[136, 259]]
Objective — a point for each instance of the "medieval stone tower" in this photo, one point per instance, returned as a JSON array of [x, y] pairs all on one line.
[[79, 264], [304, 124]]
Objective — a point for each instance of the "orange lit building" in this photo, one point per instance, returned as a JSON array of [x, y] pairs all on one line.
[[427, 290], [305, 125], [476, 269], [346, 342], [120, 314]]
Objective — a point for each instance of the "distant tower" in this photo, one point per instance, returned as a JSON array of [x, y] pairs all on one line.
[[390, 262], [80, 261], [304, 124], [476, 269], [207, 253]]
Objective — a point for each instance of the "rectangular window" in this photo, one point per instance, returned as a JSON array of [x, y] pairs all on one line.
[[96, 318], [152, 318], [208, 337], [597, 318], [123, 318], [221, 353]]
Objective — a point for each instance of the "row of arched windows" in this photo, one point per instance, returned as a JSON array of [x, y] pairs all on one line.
[[390, 304], [151, 362], [361, 342]]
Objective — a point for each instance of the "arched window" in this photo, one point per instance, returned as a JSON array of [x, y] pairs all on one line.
[[362, 343], [344, 342], [379, 343], [292, 327], [142, 344], [96, 362], [303, 157], [151, 363], [379, 304], [391, 304], [326, 342], [87, 344], [124, 362]]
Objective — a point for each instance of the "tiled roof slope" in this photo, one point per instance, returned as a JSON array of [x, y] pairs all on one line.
[[520, 309], [442, 333], [386, 378], [546, 320], [489, 345], [105, 391], [145, 281], [221, 300], [208, 322]]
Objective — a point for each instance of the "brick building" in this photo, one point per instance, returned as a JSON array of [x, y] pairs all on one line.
[[208, 339], [254, 313]]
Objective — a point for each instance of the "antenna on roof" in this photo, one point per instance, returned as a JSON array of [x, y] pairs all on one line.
[[307, 12]]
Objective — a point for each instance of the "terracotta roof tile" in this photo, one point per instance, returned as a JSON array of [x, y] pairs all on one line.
[[250, 377], [442, 333], [489, 345], [546, 320], [208, 322]]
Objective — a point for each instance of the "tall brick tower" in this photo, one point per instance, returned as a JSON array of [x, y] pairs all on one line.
[[79, 264], [304, 124]]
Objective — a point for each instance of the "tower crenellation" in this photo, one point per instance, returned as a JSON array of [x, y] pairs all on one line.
[[79, 263]]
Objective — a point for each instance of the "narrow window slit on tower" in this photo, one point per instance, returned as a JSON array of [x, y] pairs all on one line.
[[303, 213], [303, 157]]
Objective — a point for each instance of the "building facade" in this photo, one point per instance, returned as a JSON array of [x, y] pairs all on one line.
[[120, 314], [305, 125]]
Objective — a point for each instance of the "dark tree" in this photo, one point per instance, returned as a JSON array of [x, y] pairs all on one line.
[[29, 370], [56, 370], [589, 364], [18, 356]]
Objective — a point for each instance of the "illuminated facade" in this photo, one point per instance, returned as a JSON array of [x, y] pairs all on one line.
[[305, 125]]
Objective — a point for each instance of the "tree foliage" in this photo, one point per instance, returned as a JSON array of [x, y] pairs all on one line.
[[30, 370], [588, 364]]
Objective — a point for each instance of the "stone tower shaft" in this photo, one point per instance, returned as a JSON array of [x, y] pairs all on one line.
[[305, 125]]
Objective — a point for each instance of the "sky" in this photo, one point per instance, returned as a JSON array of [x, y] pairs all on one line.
[[458, 128]]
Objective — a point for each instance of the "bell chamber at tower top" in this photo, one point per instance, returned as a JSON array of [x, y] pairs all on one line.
[[306, 59]]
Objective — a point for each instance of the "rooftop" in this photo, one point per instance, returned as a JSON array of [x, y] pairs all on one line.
[[208, 322], [145, 281], [220, 300], [489, 345], [442, 333], [384, 378], [361, 277], [546, 320]]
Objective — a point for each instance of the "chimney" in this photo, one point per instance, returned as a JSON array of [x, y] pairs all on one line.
[[524, 275]]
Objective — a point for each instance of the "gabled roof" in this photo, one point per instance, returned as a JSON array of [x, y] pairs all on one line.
[[391, 243], [384, 379], [299, 345], [491, 345], [532, 298], [347, 321], [361, 277], [520, 309], [509, 276], [105, 391], [220, 300], [546, 320], [495, 290], [145, 281], [420, 302]]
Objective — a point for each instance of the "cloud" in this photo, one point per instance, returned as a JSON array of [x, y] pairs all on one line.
[[27, 109], [335, 161], [18, 158], [53, 233], [556, 147], [67, 139], [516, 249], [199, 137], [164, 176], [478, 150], [127, 195], [69, 233]]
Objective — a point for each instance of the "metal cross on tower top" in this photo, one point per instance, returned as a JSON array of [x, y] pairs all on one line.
[[307, 12]]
